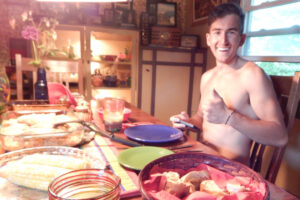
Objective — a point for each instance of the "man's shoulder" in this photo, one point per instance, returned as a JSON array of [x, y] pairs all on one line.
[[209, 72], [250, 69], [256, 74]]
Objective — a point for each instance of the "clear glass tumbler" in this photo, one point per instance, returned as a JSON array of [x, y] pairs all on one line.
[[113, 111], [85, 184]]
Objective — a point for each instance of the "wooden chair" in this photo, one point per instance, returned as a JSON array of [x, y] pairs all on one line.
[[60, 71], [287, 89]]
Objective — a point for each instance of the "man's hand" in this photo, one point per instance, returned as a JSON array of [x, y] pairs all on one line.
[[175, 118], [215, 110]]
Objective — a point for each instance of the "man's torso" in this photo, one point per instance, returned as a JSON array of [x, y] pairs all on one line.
[[231, 87]]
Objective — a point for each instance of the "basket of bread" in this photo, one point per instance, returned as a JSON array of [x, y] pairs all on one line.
[[195, 175]]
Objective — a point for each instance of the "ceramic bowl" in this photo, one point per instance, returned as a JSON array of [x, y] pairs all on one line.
[[187, 160]]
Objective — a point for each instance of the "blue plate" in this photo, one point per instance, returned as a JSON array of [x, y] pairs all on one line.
[[153, 133]]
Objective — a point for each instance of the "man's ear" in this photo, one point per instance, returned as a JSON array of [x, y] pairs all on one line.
[[207, 39], [243, 39]]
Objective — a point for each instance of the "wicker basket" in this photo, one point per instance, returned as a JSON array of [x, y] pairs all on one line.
[[189, 160]]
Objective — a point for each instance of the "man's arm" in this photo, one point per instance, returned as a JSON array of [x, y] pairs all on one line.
[[269, 128]]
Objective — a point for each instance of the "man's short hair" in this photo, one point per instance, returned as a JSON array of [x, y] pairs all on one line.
[[225, 9]]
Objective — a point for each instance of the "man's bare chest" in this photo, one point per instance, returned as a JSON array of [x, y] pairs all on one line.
[[231, 89]]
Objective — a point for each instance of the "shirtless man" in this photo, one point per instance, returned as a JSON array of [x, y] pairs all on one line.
[[238, 103]]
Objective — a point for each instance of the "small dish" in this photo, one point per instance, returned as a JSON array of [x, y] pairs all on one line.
[[108, 57], [138, 157]]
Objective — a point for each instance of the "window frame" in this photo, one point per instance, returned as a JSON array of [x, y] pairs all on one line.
[[247, 7]]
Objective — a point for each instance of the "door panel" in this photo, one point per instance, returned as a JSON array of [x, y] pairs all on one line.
[[171, 92], [196, 89], [146, 88]]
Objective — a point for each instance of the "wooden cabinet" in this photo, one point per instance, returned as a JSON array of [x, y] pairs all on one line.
[[113, 52], [70, 46], [170, 80], [102, 49]]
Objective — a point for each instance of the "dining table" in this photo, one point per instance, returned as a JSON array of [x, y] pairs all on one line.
[[107, 150], [129, 178]]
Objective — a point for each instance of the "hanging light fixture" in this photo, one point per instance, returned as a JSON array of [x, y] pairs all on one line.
[[84, 1]]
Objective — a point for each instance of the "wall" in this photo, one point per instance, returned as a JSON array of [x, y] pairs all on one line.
[[200, 30]]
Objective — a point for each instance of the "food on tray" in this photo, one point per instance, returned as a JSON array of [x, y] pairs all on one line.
[[203, 182], [32, 129], [38, 170], [35, 124]]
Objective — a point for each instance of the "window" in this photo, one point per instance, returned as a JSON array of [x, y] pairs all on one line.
[[273, 35]]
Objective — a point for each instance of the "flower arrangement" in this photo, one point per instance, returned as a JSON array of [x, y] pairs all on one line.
[[42, 36]]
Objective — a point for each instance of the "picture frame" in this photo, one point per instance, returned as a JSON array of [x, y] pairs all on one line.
[[201, 9], [103, 7], [17, 2], [144, 19], [166, 14], [189, 41], [89, 9], [108, 18], [124, 14], [151, 10], [123, 6]]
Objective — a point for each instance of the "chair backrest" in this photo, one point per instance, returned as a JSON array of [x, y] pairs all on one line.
[[287, 89], [59, 71]]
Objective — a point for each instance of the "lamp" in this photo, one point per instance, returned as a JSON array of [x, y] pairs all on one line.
[[84, 1]]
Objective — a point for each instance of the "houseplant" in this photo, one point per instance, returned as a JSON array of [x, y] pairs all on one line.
[[42, 37], [4, 85]]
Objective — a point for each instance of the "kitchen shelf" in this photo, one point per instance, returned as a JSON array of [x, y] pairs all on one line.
[[110, 62], [111, 88], [113, 42], [91, 41]]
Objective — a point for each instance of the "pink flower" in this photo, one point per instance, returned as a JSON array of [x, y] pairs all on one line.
[[31, 33]]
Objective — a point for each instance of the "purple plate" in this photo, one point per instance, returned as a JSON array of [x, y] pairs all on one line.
[[153, 133]]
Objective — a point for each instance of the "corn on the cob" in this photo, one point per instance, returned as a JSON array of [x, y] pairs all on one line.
[[31, 175], [38, 170], [56, 161]]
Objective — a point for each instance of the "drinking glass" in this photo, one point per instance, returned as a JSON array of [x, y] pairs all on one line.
[[113, 110], [85, 184]]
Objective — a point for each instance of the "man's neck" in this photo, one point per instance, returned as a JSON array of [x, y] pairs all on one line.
[[234, 63]]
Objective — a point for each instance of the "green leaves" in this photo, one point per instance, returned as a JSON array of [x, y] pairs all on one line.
[[36, 63]]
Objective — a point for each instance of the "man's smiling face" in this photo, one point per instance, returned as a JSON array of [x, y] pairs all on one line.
[[224, 38]]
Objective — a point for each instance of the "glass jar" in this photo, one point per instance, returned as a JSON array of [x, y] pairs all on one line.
[[4, 89], [85, 184], [83, 113]]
